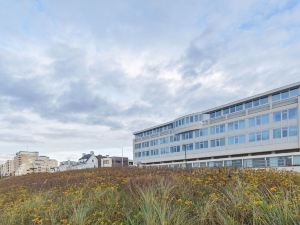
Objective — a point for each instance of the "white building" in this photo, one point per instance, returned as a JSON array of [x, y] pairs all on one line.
[[88, 161], [258, 131]]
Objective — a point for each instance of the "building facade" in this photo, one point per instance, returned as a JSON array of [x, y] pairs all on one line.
[[114, 161], [7, 169], [26, 162], [257, 132]]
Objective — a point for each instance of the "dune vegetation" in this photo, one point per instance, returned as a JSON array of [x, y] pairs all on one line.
[[152, 196]]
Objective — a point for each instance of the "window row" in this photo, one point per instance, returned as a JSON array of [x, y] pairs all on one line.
[[155, 130], [239, 107], [285, 132], [262, 162], [232, 140], [258, 120], [285, 114], [190, 119], [239, 139], [285, 94], [278, 116]]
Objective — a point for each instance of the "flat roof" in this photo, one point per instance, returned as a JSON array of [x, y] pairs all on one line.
[[296, 84]]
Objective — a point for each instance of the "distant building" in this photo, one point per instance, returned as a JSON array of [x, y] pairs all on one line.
[[88, 161], [66, 165], [7, 169], [26, 162], [114, 161], [99, 157]]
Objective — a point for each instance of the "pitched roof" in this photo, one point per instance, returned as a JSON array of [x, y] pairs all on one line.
[[86, 156]]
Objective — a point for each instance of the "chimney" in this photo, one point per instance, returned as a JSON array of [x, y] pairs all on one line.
[[83, 154], [92, 153]]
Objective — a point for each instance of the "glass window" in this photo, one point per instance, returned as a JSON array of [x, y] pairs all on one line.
[[256, 103], [230, 126], [258, 120], [258, 136], [242, 139], [252, 137], [218, 113], [212, 130], [241, 124], [276, 97], [222, 128], [248, 163], [191, 119], [205, 144], [225, 111], [276, 116], [237, 163], [296, 160], [259, 162], [263, 101], [232, 109], [284, 132], [265, 119], [251, 122], [239, 107], [212, 143], [284, 115], [248, 105], [265, 135], [284, 95], [294, 92], [231, 140], [222, 141], [202, 164], [277, 133], [293, 131], [236, 125], [293, 113]]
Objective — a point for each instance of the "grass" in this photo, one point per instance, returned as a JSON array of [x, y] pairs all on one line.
[[152, 196]]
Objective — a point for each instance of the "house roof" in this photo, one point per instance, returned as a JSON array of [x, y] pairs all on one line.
[[87, 156]]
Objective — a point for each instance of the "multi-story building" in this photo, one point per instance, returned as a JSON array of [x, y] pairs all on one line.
[[23, 162], [258, 131], [27, 162], [7, 169]]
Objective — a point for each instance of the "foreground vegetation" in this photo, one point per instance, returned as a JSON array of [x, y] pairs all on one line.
[[152, 196]]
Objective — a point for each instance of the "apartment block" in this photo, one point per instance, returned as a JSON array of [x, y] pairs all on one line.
[[256, 132], [26, 162]]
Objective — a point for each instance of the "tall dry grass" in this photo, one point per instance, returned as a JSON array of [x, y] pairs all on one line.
[[152, 196]]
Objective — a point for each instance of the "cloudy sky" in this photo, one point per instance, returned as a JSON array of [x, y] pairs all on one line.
[[83, 75]]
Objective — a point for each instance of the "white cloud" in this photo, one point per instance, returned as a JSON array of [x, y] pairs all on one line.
[[75, 79]]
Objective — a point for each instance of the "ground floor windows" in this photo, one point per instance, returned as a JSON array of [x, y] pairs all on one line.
[[259, 162]]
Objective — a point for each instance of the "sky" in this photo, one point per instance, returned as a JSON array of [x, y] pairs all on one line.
[[83, 75]]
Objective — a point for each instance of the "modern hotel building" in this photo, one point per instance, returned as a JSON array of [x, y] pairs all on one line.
[[257, 132]]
